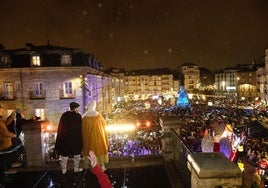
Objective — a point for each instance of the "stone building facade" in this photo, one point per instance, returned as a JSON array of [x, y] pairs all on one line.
[[43, 80]]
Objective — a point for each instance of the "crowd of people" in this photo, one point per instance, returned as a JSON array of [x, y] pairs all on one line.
[[225, 127], [238, 132], [235, 129]]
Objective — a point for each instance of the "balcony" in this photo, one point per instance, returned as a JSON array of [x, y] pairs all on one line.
[[37, 94], [64, 95], [8, 95], [169, 169]]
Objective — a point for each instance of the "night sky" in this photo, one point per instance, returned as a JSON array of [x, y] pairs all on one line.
[[137, 34]]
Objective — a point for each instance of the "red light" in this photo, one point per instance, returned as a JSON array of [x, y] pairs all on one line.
[[138, 123], [49, 127], [148, 123]]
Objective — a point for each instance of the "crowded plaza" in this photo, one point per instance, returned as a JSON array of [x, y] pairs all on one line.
[[237, 129]]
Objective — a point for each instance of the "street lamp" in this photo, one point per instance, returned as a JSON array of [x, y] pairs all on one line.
[[237, 86]]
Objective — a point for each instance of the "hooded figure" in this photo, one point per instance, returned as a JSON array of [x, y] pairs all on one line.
[[69, 137], [17, 124], [94, 136]]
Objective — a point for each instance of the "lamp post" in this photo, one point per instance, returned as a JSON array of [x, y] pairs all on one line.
[[237, 86]]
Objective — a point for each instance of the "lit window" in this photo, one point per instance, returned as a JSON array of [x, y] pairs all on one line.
[[36, 61], [65, 59], [5, 60], [40, 113], [8, 90]]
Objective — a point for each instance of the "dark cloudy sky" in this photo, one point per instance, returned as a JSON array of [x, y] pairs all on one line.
[[136, 34]]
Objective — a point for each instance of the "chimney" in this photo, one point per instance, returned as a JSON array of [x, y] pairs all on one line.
[[29, 46]]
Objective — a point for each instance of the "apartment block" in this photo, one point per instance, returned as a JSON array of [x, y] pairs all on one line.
[[43, 80], [191, 79], [141, 84]]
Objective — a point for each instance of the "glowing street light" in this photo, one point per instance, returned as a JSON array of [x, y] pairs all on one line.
[[223, 85]]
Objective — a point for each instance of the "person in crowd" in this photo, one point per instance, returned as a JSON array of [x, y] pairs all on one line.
[[207, 143], [10, 119], [256, 183], [225, 146], [15, 123], [6, 154], [94, 135], [96, 169], [263, 166], [69, 137], [19, 120]]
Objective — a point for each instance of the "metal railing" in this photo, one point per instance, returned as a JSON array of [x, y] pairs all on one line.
[[180, 153], [37, 94], [8, 95], [64, 95]]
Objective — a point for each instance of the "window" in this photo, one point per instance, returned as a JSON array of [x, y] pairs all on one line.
[[36, 61], [191, 87], [5, 61], [67, 91], [65, 59], [8, 90], [191, 82], [40, 113], [38, 87], [67, 88], [38, 91]]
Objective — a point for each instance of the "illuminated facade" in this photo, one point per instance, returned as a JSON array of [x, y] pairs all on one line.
[[141, 84], [246, 83], [260, 87], [242, 81], [45, 79], [191, 75], [226, 80], [266, 76]]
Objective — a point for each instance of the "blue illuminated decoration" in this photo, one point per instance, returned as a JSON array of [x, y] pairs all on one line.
[[182, 100]]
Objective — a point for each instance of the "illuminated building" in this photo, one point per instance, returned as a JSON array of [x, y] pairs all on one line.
[[191, 75], [45, 79], [140, 84], [239, 81]]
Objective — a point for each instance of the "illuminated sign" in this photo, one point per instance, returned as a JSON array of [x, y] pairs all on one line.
[[230, 88]]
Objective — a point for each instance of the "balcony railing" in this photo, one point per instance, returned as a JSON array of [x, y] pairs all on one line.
[[180, 154], [10, 95], [64, 95], [37, 94]]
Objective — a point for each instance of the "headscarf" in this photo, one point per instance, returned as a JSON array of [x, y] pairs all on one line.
[[91, 109]]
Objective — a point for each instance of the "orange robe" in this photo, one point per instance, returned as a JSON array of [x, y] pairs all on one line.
[[95, 137]]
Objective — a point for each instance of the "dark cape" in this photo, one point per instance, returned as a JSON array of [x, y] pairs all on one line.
[[69, 135]]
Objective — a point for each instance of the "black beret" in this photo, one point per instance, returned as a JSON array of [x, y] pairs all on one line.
[[74, 105]]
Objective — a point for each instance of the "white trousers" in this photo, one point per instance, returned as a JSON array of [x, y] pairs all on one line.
[[64, 161]]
